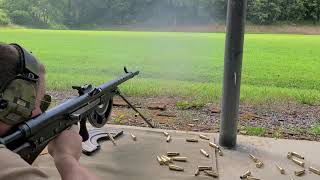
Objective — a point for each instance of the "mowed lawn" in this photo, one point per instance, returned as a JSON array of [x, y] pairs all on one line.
[[276, 67]]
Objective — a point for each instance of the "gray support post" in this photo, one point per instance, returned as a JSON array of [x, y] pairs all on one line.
[[232, 72]]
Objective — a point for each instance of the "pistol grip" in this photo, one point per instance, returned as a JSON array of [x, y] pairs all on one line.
[[83, 130]]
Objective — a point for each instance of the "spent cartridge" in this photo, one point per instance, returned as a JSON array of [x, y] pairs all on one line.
[[282, 171], [181, 159], [134, 137], [204, 153], [300, 163], [197, 172], [297, 155], [160, 160], [192, 140], [204, 137], [245, 175], [314, 170], [211, 173], [168, 138], [259, 164], [173, 154], [202, 168], [253, 158], [299, 173], [175, 168]]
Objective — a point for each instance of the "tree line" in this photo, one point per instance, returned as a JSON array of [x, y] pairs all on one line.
[[103, 13]]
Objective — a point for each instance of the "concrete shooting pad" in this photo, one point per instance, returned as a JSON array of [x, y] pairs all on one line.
[[137, 159]]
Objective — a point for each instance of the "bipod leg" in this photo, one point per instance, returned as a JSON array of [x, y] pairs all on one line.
[[131, 106]]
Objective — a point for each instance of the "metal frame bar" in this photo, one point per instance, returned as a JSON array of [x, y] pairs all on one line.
[[232, 72]]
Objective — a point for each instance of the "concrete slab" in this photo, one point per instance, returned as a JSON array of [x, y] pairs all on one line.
[[136, 160]]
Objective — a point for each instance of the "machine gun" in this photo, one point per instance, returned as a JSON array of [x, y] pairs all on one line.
[[93, 104]]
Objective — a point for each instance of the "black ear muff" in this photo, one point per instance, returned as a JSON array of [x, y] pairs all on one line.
[[18, 95], [18, 101]]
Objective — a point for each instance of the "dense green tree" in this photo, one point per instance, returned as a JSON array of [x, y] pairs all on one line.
[[92, 13]]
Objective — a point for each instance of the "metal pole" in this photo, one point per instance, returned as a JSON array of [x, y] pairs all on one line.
[[232, 72]]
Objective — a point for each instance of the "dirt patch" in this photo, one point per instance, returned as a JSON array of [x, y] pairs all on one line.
[[291, 120]]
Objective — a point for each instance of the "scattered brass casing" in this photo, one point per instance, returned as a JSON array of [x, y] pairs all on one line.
[[204, 153], [297, 155], [111, 138], [204, 137], [299, 173], [245, 175], [252, 178], [165, 133], [181, 159], [202, 168], [217, 148], [168, 138], [160, 160], [259, 164], [167, 158], [314, 170], [175, 168], [134, 137], [300, 163], [197, 172], [289, 155], [192, 140], [253, 158], [165, 161], [211, 173], [214, 145], [282, 171], [173, 154]]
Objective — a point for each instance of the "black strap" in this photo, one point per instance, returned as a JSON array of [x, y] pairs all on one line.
[[21, 63]]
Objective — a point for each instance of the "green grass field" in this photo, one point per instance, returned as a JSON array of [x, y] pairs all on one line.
[[276, 67]]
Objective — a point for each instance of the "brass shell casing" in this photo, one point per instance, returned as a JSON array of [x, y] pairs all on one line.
[[252, 178], [299, 173], [314, 170], [192, 140], [211, 173], [245, 175], [282, 171], [259, 164], [204, 137], [160, 160], [165, 133], [168, 138], [167, 158], [297, 155], [134, 137], [181, 159], [214, 145], [202, 168], [253, 158], [204, 153], [111, 138], [173, 154], [175, 168], [165, 161], [300, 163], [197, 172]]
